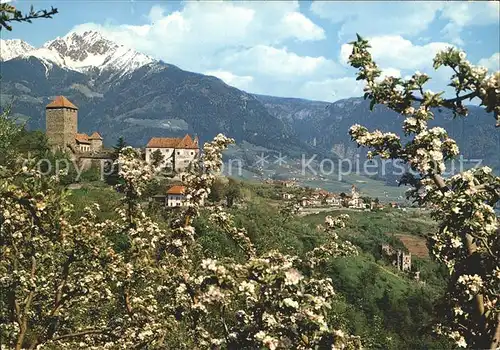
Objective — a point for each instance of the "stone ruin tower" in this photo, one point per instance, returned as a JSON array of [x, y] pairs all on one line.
[[61, 118], [403, 261]]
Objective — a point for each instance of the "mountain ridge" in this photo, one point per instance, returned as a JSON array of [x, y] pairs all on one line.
[[138, 97], [79, 52]]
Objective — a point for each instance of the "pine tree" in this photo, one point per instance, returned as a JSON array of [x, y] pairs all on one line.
[[120, 144], [112, 177]]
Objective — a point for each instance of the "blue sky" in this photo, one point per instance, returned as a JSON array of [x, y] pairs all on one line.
[[282, 48]]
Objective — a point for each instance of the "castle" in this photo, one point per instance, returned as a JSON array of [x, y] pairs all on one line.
[[400, 259], [61, 117], [176, 153]]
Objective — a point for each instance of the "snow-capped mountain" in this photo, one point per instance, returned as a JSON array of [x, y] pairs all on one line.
[[80, 52], [13, 48]]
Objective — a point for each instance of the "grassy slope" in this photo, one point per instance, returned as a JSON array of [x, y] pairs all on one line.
[[387, 308]]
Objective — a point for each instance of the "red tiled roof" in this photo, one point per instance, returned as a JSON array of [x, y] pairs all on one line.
[[82, 138], [177, 189], [61, 102], [173, 142], [186, 142], [95, 136]]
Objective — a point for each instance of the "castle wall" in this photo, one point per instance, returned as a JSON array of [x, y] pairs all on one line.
[[183, 157], [165, 152], [96, 145]]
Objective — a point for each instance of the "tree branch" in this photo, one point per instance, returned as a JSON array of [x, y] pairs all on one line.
[[126, 295], [9, 13], [495, 342], [23, 326], [79, 334], [60, 287], [450, 102]]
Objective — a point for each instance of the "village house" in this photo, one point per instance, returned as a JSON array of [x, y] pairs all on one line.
[[320, 197], [311, 202], [177, 153], [333, 200], [287, 196], [305, 202], [176, 196], [376, 206], [289, 183]]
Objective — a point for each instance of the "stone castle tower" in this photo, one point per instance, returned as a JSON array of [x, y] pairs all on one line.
[[61, 118]]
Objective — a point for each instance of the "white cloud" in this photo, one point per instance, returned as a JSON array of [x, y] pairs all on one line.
[[370, 18], [407, 18], [395, 51], [464, 14], [492, 63], [192, 36], [247, 44], [240, 82], [278, 63], [302, 27], [331, 90]]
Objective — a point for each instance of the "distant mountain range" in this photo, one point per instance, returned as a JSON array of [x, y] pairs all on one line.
[[121, 92]]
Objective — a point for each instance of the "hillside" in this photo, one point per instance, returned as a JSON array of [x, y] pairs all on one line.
[[377, 301]]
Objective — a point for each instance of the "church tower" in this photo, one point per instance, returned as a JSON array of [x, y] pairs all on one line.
[[61, 117], [354, 192]]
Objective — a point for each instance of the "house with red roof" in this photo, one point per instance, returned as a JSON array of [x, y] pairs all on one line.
[[177, 153], [176, 196]]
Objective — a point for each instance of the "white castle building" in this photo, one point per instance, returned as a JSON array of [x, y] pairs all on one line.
[[177, 153]]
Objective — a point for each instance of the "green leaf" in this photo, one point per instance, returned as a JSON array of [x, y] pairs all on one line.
[[372, 104]]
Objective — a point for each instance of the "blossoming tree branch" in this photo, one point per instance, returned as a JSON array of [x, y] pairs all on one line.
[[468, 240]]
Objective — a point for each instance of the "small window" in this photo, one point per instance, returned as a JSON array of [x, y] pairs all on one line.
[[178, 152]]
